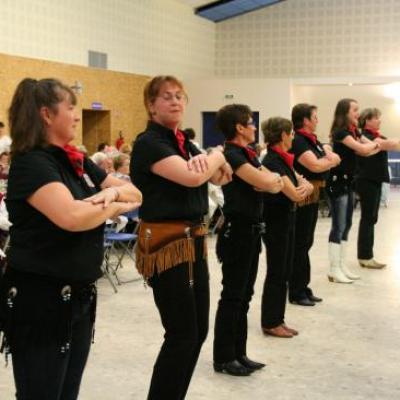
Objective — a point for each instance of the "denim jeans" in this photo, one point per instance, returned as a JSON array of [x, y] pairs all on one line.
[[342, 215]]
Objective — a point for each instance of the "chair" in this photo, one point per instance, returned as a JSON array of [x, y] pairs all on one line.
[[117, 245]]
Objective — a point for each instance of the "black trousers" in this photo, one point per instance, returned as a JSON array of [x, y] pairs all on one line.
[[306, 222], [37, 326], [279, 241], [370, 197], [184, 313], [238, 248]]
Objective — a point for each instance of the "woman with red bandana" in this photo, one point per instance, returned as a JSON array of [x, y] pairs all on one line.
[[347, 142], [279, 217], [239, 240], [313, 160], [371, 173], [58, 202], [172, 174]]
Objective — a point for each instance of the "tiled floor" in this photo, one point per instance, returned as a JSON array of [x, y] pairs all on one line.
[[348, 347]]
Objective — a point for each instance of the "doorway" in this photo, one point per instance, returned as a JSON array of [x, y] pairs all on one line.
[[212, 136], [96, 129]]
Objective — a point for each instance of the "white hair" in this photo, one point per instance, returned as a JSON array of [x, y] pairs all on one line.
[[98, 157]]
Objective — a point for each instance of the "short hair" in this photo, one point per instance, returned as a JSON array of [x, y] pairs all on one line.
[[27, 128], [229, 116], [301, 111], [119, 160], [126, 148], [368, 114], [273, 128], [101, 146], [190, 132], [2, 124], [153, 87], [98, 157]]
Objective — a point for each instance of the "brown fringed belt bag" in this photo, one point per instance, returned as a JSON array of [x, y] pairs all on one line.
[[314, 196], [163, 245]]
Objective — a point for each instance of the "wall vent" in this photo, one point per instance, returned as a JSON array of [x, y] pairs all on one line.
[[97, 59]]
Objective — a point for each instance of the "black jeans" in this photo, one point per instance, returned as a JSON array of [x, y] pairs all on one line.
[[238, 248], [279, 241], [306, 221], [370, 197], [37, 326], [184, 312]]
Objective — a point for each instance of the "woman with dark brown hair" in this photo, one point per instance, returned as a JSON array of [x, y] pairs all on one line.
[[280, 218], [347, 142], [58, 201], [172, 252], [239, 239], [371, 173]]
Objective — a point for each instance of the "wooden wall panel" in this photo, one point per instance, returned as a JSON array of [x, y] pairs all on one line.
[[120, 93]]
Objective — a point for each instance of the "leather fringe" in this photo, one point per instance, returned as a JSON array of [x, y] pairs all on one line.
[[170, 255], [314, 196]]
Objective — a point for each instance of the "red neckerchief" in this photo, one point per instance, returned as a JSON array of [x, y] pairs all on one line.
[[251, 154], [353, 130], [180, 137], [375, 134], [76, 158], [287, 157], [308, 135]]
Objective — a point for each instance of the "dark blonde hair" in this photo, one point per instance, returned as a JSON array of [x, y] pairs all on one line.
[[273, 128], [27, 128], [153, 87], [368, 114], [119, 160]]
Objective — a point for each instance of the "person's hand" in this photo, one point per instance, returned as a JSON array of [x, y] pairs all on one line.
[[227, 171], [276, 183], [106, 196], [125, 207], [333, 158], [302, 192], [198, 163]]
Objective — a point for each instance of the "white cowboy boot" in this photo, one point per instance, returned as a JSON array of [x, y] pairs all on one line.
[[345, 269], [335, 272]]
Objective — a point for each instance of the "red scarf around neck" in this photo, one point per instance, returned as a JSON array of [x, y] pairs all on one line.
[[180, 137], [308, 135], [76, 158], [353, 130], [251, 154], [375, 134], [286, 157]]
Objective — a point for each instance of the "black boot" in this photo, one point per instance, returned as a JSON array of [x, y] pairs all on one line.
[[234, 368], [250, 364]]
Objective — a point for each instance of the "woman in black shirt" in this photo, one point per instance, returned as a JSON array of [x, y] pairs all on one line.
[[239, 240], [371, 173], [279, 217], [312, 160], [347, 142], [172, 173], [58, 202]]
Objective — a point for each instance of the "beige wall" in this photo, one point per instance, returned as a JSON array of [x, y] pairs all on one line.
[[120, 93], [148, 37], [270, 97], [367, 95], [297, 38]]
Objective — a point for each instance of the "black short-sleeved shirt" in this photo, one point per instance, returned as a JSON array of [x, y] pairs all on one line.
[[347, 165], [300, 145], [274, 162], [240, 198], [37, 245], [162, 198], [375, 167]]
